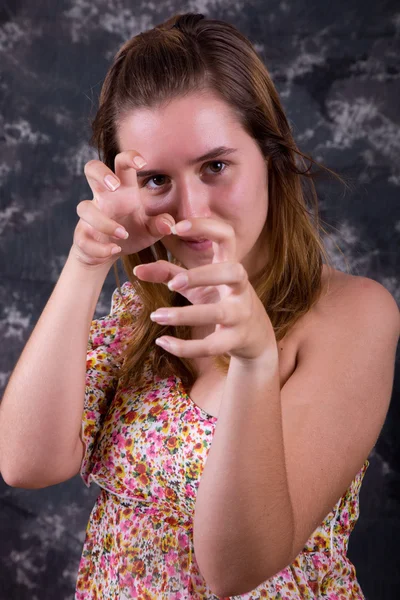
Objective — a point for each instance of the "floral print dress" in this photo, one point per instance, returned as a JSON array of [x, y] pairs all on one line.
[[146, 449]]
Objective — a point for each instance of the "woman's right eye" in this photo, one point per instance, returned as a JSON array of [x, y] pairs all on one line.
[[146, 181]]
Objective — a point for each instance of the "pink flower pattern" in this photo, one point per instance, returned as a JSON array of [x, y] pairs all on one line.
[[146, 449]]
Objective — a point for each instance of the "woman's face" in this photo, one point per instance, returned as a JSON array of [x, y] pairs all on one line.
[[232, 188]]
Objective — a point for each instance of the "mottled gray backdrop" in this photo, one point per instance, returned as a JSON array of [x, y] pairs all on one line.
[[336, 66]]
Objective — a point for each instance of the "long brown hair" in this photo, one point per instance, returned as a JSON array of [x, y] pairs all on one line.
[[190, 53]]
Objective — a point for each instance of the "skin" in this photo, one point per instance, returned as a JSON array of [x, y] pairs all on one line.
[[236, 194], [232, 189]]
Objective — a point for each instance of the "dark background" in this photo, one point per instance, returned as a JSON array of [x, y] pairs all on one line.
[[336, 67]]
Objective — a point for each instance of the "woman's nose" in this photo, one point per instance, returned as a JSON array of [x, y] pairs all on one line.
[[191, 200]]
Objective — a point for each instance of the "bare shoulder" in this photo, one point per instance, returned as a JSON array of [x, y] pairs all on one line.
[[349, 300]]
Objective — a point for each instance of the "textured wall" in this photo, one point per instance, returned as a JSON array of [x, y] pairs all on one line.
[[336, 67]]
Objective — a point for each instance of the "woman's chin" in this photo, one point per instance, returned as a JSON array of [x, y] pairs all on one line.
[[186, 262]]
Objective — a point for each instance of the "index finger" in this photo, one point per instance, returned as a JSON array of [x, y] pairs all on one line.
[[221, 234], [125, 167]]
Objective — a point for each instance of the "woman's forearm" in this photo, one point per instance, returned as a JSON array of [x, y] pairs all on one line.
[[243, 524]]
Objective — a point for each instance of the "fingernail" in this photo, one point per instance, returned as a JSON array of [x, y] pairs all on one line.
[[183, 226], [167, 223], [163, 343], [178, 282], [161, 314], [139, 161], [121, 232], [111, 182]]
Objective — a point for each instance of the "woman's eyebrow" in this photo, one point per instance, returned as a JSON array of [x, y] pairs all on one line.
[[214, 153]]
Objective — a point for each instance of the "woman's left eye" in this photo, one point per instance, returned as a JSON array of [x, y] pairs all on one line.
[[217, 162], [213, 162]]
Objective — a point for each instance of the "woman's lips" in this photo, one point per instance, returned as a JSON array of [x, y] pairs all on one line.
[[203, 245]]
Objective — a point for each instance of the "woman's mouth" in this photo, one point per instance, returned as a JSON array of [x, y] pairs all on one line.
[[200, 244]]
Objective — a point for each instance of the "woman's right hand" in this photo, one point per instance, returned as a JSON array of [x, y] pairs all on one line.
[[94, 236]]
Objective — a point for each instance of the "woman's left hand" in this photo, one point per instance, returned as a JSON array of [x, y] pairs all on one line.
[[243, 328]]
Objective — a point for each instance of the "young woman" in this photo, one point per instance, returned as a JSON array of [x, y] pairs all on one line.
[[228, 419]]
